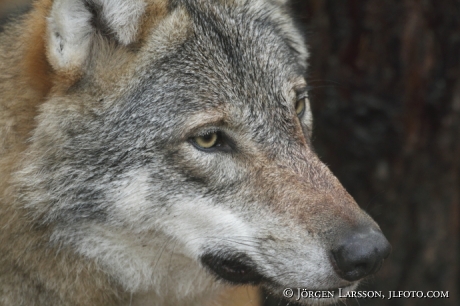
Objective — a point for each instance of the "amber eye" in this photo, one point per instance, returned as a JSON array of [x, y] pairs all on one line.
[[206, 141], [300, 107]]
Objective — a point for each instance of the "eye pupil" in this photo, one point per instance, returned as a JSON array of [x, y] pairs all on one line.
[[208, 137]]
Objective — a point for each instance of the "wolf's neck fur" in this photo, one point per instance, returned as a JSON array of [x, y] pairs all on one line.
[[32, 272]]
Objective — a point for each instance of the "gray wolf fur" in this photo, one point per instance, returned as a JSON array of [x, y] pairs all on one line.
[[155, 152]]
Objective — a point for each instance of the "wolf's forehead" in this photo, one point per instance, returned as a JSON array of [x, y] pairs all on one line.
[[255, 28], [245, 37], [251, 47], [245, 56]]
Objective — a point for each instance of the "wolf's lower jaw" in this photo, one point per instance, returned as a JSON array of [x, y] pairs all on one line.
[[197, 286], [170, 277], [153, 298], [210, 296]]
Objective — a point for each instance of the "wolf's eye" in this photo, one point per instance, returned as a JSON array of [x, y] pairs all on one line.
[[207, 141], [213, 141], [300, 107]]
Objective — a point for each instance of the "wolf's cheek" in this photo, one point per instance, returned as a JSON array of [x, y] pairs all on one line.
[[195, 220]]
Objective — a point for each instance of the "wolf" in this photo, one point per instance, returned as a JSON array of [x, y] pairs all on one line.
[[157, 152]]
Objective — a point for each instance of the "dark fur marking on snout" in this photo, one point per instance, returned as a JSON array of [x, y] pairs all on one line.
[[238, 269]]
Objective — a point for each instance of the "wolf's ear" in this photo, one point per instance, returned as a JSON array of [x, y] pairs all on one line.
[[74, 24]]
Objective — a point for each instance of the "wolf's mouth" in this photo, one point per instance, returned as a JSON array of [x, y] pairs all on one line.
[[237, 269], [240, 269]]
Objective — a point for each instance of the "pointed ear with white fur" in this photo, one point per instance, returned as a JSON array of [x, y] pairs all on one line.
[[73, 24]]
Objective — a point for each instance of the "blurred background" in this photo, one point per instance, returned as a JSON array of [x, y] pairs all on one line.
[[385, 92]]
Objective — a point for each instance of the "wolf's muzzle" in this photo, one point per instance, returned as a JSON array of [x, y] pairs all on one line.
[[360, 254]]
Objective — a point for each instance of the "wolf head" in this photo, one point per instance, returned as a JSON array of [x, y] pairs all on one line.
[[176, 138]]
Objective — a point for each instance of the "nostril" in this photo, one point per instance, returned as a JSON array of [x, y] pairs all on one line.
[[360, 254], [351, 267]]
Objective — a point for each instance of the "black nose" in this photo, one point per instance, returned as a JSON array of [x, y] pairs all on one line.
[[361, 253]]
